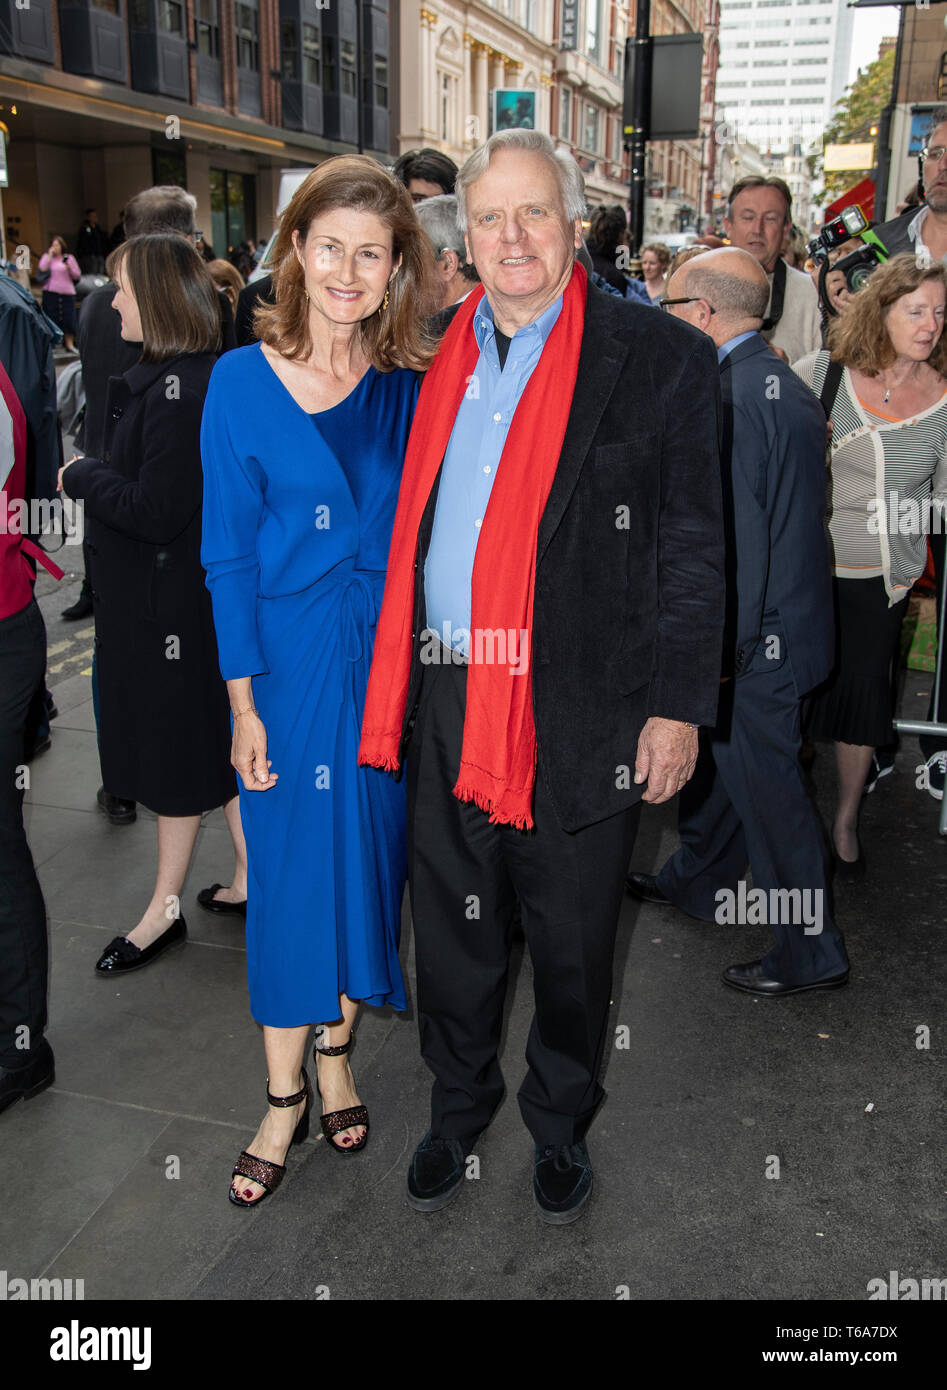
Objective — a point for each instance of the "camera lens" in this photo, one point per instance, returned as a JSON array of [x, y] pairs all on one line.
[[859, 276]]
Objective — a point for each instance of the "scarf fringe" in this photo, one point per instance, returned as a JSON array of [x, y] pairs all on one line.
[[520, 820]]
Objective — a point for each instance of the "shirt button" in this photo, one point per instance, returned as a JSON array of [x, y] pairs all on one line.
[[479, 521], [487, 469], [498, 417]]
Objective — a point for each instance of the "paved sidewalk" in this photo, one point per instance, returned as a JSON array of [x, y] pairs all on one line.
[[118, 1175]]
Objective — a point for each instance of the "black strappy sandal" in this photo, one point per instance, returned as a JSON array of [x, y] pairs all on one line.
[[261, 1170], [338, 1120]]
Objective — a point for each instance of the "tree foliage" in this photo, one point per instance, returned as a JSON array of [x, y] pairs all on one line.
[[858, 110]]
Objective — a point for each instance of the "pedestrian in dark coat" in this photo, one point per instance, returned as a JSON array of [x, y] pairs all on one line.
[[165, 732]]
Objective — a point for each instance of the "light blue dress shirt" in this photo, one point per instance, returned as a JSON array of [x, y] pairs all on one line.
[[470, 464], [726, 348]]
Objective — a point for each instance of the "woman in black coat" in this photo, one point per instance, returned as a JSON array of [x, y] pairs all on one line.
[[164, 711]]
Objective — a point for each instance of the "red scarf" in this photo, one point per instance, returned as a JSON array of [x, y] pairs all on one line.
[[498, 757]]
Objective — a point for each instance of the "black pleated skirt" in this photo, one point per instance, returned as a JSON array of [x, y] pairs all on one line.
[[854, 704]]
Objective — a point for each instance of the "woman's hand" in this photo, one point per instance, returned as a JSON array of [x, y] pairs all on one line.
[[248, 753], [55, 250], [63, 469]]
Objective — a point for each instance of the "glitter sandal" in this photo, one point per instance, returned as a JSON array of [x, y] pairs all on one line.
[[338, 1120], [261, 1170]]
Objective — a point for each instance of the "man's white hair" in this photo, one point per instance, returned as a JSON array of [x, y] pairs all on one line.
[[568, 173]]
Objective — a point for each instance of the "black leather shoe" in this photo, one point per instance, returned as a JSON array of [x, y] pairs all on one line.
[[82, 608], [752, 979], [206, 899], [562, 1182], [23, 1083], [118, 811], [436, 1172], [122, 955], [850, 870], [645, 888]]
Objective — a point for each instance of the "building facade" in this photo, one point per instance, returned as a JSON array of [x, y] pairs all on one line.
[[783, 66], [101, 98]]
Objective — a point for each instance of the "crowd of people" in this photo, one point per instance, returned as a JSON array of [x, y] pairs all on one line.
[[430, 558]]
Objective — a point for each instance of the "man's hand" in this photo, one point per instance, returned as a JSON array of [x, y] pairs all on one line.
[[667, 755]]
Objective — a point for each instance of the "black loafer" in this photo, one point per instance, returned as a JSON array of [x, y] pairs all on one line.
[[436, 1172], [751, 979], [207, 900], [562, 1182], [118, 811], [645, 888], [23, 1083], [122, 955]]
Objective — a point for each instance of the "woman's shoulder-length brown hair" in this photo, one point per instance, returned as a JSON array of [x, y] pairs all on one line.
[[392, 337], [859, 336], [177, 300]]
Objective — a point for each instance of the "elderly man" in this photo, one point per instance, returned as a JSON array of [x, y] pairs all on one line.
[[549, 638], [747, 799], [456, 276], [760, 213]]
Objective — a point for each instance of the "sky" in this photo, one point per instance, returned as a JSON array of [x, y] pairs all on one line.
[[870, 27]]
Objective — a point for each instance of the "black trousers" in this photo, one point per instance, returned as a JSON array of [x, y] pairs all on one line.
[[466, 877], [23, 945], [747, 801]]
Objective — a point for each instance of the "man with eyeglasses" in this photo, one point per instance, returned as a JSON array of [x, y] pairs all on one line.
[[923, 231], [746, 800], [759, 214]]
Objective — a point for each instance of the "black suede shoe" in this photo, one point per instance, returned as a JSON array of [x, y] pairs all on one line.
[[645, 888], [122, 955], [118, 811], [752, 979], [562, 1182], [23, 1083], [207, 900], [82, 608], [436, 1172]]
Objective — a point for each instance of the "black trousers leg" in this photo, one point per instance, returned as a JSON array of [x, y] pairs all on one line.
[[462, 907], [23, 945], [569, 889]]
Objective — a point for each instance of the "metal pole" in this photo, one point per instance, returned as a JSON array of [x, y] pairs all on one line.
[[883, 168], [640, 52], [932, 726]]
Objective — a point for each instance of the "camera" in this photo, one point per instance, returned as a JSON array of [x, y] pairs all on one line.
[[850, 222], [857, 265]]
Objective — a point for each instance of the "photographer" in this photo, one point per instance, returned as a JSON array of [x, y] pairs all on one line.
[[924, 232]]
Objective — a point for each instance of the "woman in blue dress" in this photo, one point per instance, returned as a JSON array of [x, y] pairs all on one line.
[[302, 441]]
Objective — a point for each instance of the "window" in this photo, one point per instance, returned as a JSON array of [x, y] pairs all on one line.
[[530, 17], [347, 54], [381, 80], [111, 5], [592, 27], [248, 38], [812, 62], [171, 16], [140, 14], [207, 26], [590, 128], [289, 53], [565, 113], [312, 63], [445, 106]]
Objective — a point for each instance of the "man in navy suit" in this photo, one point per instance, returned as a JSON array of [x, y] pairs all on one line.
[[747, 800]]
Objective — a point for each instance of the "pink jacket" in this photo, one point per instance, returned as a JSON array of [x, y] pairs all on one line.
[[63, 271]]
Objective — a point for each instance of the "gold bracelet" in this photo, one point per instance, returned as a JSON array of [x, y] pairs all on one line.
[[252, 710]]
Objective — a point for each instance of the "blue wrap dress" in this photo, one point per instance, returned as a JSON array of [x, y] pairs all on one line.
[[297, 521]]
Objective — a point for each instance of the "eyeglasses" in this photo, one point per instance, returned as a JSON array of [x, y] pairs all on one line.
[[666, 303], [934, 154]]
